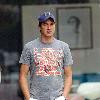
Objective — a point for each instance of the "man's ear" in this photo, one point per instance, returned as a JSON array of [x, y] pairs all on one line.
[[39, 28]]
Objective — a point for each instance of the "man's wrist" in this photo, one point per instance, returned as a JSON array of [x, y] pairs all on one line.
[[26, 98], [32, 99], [65, 97], [60, 98]]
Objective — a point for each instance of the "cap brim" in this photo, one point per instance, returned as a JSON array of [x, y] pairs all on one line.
[[46, 18]]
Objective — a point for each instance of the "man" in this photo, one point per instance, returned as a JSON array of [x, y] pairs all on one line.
[[48, 60]]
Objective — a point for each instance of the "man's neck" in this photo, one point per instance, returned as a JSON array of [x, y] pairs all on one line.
[[47, 39]]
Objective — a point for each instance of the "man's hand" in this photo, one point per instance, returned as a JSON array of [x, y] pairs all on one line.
[[60, 98]]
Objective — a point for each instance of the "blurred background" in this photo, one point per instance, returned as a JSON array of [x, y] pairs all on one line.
[[78, 24]]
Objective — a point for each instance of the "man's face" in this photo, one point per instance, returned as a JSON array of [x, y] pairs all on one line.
[[47, 28]]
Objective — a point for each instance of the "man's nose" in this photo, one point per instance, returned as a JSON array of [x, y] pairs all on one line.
[[48, 26]]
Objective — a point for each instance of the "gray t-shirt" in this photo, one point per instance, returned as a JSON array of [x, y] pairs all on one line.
[[46, 63]]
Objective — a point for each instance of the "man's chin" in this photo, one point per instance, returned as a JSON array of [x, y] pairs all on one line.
[[49, 35]]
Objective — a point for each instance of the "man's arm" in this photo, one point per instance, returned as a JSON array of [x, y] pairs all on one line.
[[23, 80], [67, 81]]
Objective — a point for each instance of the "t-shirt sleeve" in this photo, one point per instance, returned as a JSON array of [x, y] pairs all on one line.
[[25, 56], [67, 56]]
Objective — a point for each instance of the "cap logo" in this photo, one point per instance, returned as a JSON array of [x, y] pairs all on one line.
[[47, 13]]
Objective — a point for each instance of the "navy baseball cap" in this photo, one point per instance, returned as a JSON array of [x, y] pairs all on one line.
[[46, 15]]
